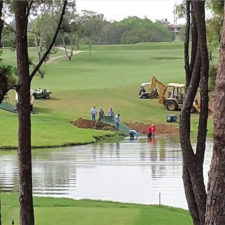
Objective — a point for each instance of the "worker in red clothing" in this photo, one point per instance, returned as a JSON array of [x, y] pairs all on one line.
[[151, 131]]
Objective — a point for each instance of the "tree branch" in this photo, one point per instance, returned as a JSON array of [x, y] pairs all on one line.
[[185, 115], [69, 53], [202, 129], [64, 44], [29, 8], [186, 44], [39, 71], [52, 43], [194, 38]]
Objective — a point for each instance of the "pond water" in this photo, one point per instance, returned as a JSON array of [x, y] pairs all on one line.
[[129, 171]]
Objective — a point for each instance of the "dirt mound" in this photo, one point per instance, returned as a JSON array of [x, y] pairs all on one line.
[[140, 127], [82, 123], [160, 128]]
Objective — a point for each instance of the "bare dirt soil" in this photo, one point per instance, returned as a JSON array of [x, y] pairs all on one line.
[[53, 59], [82, 123], [140, 127], [160, 128]]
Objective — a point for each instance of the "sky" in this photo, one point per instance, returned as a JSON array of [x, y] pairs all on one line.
[[119, 9]]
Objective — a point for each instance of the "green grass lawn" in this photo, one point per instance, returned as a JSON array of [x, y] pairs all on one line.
[[110, 77], [48, 131], [50, 211]]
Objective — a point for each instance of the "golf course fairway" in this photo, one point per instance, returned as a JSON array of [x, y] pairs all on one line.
[[110, 77]]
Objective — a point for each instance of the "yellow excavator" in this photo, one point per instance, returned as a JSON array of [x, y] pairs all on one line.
[[157, 90], [171, 95]]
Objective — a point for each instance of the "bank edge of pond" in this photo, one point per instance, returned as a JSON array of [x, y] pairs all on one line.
[[112, 137], [52, 210]]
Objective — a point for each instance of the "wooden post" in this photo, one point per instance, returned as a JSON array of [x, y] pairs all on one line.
[[159, 198]]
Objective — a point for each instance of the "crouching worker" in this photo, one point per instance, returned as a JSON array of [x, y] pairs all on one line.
[[133, 134]]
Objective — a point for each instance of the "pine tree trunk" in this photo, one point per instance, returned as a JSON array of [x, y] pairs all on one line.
[[196, 76], [68, 56], [24, 132], [215, 210]]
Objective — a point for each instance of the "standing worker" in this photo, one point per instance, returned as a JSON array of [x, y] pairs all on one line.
[[117, 121], [101, 113], [110, 112], [93, 113], [150, 131]]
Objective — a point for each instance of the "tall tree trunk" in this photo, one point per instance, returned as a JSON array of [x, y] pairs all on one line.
[[78, 45], [196, 76], [23, 89], [24, 145], [69, 53], [216, 191], [89, 47], [38, 48]]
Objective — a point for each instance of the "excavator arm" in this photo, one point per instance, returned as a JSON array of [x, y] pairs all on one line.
[[160, 87]]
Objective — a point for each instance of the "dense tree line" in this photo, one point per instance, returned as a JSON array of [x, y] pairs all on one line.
[[133, 30], [90, 25]]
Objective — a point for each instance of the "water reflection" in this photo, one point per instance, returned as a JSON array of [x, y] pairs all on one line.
[[129, 171]]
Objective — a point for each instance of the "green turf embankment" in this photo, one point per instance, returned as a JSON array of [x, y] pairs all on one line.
[[50, 211]]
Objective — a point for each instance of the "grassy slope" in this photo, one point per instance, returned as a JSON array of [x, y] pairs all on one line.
[[47, 131], [108, 78], [50, 211]]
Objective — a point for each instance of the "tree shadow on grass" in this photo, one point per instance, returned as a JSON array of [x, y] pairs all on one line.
[[55, 99], [168, 58], [49, 99], [38, 110]]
